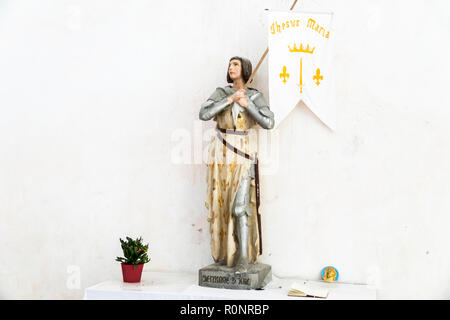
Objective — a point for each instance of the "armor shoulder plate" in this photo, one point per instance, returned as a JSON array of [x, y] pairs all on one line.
[[228, 90], [218, 95], [259, 101]]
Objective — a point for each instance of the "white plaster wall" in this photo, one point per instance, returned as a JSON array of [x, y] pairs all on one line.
[[96, 97]]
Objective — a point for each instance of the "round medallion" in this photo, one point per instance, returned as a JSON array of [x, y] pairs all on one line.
[[329, 274]]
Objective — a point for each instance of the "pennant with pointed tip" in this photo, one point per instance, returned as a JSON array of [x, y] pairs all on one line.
[[300, 64]]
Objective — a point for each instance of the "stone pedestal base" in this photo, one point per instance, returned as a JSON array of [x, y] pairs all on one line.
[[220, 276]]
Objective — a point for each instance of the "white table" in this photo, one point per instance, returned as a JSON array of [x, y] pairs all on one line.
[[184, 286]]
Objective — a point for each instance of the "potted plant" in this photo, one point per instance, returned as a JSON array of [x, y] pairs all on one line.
[[135, 255]]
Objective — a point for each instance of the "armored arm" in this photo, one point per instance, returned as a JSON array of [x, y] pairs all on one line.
[[210, 108], [214, 105], [259, 110]]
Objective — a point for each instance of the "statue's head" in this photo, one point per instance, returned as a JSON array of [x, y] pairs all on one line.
[[237, 68]]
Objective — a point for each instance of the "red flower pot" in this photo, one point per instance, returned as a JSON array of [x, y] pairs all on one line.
[[130, 274]]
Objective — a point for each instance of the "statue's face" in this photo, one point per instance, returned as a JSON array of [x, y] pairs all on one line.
[[235, 69]]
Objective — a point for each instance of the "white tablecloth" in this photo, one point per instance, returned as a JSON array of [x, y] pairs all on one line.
[[175, 286]]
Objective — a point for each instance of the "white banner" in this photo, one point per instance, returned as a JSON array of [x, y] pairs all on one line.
[[300, 66]]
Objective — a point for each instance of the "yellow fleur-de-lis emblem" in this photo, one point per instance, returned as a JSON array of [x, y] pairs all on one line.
[[284, 75]]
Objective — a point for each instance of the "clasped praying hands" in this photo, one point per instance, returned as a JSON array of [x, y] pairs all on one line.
[[239, 97]]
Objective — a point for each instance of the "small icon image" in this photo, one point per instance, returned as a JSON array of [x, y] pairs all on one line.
[[329, 274]]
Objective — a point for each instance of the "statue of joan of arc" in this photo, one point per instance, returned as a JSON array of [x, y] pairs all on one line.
[[232, 176]]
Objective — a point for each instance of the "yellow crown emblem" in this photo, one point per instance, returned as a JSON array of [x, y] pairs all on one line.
[[301, 49]]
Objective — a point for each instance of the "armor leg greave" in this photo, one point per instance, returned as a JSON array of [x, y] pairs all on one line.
[[242, 232], [241, 211]]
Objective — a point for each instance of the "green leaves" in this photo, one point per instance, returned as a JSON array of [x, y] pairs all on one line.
[[134, 252]]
